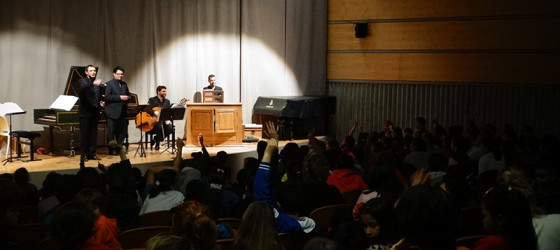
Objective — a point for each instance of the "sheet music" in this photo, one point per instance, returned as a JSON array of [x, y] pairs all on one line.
[[64, 102], [10, 108]]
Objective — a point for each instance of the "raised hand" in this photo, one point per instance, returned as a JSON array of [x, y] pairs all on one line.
[[271, 130]]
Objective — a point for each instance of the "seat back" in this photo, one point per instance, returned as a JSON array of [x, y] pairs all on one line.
[[156, 218], [351, 196], [326, 216], [468, 241], [225, 244], [30, 233], [294, 241], [137, 237], [469, 221]]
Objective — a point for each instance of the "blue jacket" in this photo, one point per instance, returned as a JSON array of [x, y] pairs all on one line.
[[262, 191]]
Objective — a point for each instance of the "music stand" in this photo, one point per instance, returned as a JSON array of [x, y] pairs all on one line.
[[141, 109], [11, 109], [171, 114]]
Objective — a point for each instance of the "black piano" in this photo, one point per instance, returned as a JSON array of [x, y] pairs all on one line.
[[295, 115], [70, 119]]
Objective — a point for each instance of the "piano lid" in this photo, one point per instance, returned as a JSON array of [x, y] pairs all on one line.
[[78, 72], [295, 106]]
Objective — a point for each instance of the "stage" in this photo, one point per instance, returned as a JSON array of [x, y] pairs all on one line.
[[70, 165]]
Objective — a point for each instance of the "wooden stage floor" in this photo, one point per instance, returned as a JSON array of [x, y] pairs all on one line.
[[70, 165]]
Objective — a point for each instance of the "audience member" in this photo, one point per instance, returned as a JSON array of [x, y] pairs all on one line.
[[257, 229], [191, 221], [264, 186], [105, 230], [73, 225], [10, 200], [427, 218], [29, 191], [507, 218], [343, 178], [378, 219]]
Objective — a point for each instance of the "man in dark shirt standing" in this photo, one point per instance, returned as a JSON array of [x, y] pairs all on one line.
[[116, 99], [88, 113], [162, 128]]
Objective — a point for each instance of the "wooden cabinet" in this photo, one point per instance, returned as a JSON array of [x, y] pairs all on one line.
[[219, 123]]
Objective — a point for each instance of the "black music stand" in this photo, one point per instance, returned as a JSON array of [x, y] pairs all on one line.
[[171, 114], [141, 109], [10, 159]]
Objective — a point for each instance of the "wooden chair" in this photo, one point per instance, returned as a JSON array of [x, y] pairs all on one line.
[[468, 241], [30, 233], [48, 244], [137, 237], [225, 244], [469, 221], [233, 223], [294, 241], [352, 196], [325, 216], [156, 218]]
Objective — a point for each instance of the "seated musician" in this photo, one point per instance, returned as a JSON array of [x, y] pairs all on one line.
[[162, 129]]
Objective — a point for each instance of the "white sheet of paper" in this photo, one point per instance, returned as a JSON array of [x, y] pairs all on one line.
[[64, 102], [9, 108]]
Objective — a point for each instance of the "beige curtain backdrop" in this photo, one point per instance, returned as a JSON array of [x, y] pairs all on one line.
[[254, 47]]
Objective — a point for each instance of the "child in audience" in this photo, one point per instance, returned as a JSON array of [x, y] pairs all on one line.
[[507, 218], [378, 219], [106, 231], [190, 220], [257, 229], [264, 186]]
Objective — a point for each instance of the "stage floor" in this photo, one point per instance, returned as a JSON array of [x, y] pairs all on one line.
[[69, 165]]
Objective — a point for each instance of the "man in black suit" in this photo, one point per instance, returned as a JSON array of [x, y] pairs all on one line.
[[162, 128], [116, 100], [212, 82], [90, 102]]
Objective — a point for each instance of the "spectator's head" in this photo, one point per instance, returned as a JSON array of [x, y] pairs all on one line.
[[21, 175], [257, 230], [9, 201], [344, 162], [319, 243], [191, 221], [427, 217], [506, 213], [420, 123], [120, 178], [317, 168], [72, 224], [289, 197], [164, 181], [195, 190], [93, 198], [67, 187], [378, 219], [168, 242], [90, 178]]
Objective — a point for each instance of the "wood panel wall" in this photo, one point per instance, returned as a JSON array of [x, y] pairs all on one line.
[[445, 41]]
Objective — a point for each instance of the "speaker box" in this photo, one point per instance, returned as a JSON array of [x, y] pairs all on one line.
[[361, 30]]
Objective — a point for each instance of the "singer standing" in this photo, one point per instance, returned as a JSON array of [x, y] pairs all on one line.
[[89, 92], [116, 101]]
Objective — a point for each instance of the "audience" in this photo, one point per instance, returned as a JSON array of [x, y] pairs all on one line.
[[444, 167]]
